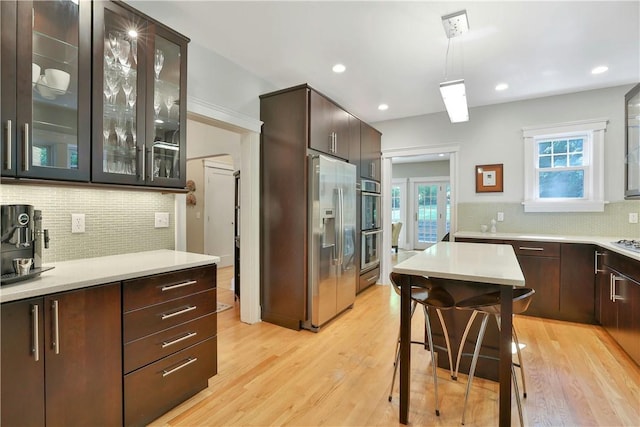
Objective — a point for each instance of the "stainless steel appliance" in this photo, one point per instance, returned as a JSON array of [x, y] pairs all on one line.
[[371, 244], [371, 204], [21, 236], [628, 244], [332, 239]]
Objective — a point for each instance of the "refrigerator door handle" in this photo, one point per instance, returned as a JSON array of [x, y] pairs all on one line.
[[341, 224]]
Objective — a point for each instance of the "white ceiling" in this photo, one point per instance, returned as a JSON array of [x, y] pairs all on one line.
[[395, 51]]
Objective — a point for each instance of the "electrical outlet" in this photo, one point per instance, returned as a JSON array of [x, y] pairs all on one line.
[[633, 218], [500, 216], [162, 220], [77, 223]]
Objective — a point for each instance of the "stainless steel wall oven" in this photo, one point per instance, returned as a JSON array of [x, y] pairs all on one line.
[[370, 225]]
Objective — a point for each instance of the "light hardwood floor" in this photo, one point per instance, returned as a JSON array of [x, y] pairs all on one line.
[[271, 376]]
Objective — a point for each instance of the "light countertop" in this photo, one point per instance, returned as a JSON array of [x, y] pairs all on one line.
[[602, 241], [475, 262], [80, 273]]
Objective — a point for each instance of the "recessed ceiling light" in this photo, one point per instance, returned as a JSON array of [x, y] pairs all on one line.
[[383, 107], [339, 68], [502, 86], [599, 70]]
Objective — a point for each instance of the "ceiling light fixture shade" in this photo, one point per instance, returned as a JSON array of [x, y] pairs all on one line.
[[455, 100]]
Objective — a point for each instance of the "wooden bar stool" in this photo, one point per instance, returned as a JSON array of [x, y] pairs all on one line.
[[429, 295], [488, 304]]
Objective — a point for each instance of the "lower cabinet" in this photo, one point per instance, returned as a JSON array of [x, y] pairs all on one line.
[[125, 352], [169, 337], [619, 311], [61, 359], [368, 278]]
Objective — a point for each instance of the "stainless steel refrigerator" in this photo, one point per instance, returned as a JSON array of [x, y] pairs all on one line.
[[332, 239]]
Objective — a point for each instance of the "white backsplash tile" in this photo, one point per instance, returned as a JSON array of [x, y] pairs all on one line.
[[613, 222], [116, 221]]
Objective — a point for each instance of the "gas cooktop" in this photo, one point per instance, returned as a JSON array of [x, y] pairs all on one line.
[[631, 245]]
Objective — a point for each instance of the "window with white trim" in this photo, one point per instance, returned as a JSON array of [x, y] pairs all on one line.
[[564, 167]]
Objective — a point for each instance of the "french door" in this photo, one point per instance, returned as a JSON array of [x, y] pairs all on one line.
[[431, 212]]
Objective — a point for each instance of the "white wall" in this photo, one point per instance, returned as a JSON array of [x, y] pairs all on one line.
[[206, 140], [211, 77], [420, 169], [494, 135]]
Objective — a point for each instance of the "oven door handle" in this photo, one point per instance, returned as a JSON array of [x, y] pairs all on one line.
[[368, 233]]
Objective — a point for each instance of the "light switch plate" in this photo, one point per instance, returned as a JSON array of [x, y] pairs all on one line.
[[77, 223], [500, 216], [162, 220], [633, 218]]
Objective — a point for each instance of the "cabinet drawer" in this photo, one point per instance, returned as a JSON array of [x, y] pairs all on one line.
[[369, 278], [146, 321], [138, 293], [550, 249], [153, 347], [151, 391]]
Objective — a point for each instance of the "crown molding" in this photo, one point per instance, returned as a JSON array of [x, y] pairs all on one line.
[[217, 112]]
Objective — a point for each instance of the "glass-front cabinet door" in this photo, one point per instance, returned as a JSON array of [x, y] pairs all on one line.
[[166, 117], [118, 95], [47, 132]]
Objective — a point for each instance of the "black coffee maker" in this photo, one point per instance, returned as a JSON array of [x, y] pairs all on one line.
[[21, 238]]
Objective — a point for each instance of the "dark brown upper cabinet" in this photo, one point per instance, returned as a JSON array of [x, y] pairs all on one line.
[[46, 89], [139, 93], [329, 127], [370, 141]]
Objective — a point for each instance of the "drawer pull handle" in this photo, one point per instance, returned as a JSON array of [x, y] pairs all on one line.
[[372, 279], [189, 361], [35, 347], [528, 248], [178, 285], [166, 344], [164, 316]]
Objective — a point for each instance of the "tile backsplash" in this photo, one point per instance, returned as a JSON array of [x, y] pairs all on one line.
[[116, 221], [613, 222]]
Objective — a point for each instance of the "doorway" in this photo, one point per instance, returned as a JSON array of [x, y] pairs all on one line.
[[219, 212], [431, 211]]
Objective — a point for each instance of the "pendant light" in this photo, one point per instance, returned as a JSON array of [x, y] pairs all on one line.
[[454, 92]]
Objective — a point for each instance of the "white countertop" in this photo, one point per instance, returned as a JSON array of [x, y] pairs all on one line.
[[602, 241], [80, 273], [475, 262]]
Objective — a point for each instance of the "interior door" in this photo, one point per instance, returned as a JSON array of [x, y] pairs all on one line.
[[431, 212], [219, 214]]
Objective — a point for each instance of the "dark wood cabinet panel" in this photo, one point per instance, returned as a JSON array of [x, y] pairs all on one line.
[[577, 283], [86, 364], [328, 127], [79, 339], [368, 278], [370, 152], [543, 275], [22, 363], [158, 387], [145, 291]]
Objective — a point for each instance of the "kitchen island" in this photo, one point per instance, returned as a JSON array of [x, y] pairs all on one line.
[[112, 340], [488, 266]]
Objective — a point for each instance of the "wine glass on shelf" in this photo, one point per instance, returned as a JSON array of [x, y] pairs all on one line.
[[125, 49], [158, 62], [134, 50], [108, 54], [114, 43], [127, 87], [156, 102], [169, 100], [132, 99], [112, 77]]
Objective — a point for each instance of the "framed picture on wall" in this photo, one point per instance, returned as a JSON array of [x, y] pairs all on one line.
[[489, 178]]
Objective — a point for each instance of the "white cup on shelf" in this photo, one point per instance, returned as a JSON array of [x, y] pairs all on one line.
[[57, 80]]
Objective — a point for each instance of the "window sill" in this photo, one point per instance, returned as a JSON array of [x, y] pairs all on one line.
[[564, 206]]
